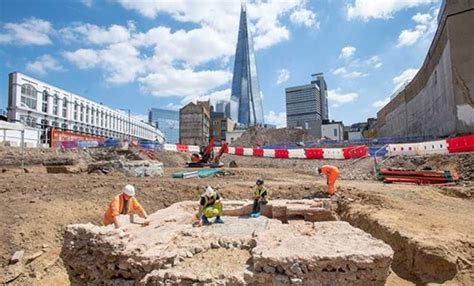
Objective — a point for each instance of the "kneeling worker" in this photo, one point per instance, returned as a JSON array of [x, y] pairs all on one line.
[[210, 206], [124, 204], [331, 172], [261, 198]]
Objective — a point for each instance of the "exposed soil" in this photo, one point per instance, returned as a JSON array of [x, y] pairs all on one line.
[[257, 136], [431, 232]]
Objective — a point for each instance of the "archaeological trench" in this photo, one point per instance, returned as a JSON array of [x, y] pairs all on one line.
[[294, 242]]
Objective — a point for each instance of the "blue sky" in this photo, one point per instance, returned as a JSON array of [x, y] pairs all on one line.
[[140, 54]]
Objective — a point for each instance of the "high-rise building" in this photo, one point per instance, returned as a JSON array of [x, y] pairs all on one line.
[[167, 121], [194, 123], [306, 105], [220, 125], [47, 107], [224, 107], [246, 102]]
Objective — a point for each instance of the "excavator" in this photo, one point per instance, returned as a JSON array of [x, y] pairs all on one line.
[[206, 157]]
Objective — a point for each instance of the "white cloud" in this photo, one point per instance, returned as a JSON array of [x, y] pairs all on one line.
[[347, 52], [381, 9], [304, 17], [425, 27], [278, 119], [374, 62], [31, 32], [83, 58], [43, 64], [404, 77], [283, 76], [342, 71], [173, 106], [215, 96], [87, 3], [339, 98], [184, 82], [381, 103], [96, 35], [140, 117]]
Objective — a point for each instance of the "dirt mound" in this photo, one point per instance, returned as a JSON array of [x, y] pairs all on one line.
[[172, 159], [256, 136]]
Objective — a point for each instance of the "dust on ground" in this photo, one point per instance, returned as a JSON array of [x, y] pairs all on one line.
[[414, 220]]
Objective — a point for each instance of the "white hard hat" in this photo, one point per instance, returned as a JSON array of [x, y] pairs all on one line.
[[210, 191], [129, 190]]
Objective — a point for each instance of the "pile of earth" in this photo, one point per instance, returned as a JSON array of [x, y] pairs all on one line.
[[257, 136]]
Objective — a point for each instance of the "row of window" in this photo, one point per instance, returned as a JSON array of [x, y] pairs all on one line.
[[81, 112]]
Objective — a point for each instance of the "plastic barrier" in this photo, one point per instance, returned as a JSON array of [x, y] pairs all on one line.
[[170, 147], [194, 149], [355, 152], [257, 152], [378, 151], [281, 153], [333, 153], [402, 149], [296, 153], [269, 153], [231, 150], [182, 148], [314, 153], [461, 144], [248, 152], [239, 151], [433, 147]]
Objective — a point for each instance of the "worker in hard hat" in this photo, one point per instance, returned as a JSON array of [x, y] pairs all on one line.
[[261, 198], [331, 172], [210, 206], [125, 204]]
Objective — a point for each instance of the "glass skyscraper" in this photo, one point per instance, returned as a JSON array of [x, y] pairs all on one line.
[[167, 121], [245, 102]]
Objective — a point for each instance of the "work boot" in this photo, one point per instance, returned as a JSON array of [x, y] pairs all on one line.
[[205, 221], [255, 214], [218, 220]]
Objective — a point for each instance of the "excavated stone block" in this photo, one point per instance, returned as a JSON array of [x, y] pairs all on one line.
[[141, 168], [242, 251]]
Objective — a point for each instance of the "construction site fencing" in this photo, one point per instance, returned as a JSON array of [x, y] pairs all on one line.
[[369, 142], [447, 146]]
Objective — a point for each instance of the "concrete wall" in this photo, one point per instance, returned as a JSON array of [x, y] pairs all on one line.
[[439, 100], [13, 137]]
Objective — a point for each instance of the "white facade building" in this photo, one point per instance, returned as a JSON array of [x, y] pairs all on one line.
[[40, 105], [333, 130]]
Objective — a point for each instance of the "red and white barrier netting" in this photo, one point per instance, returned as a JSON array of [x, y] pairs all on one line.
[[446, 146]]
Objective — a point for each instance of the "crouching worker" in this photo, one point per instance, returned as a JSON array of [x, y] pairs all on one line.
[[331, 172], [261, 198], [125, 204], [210, 206]]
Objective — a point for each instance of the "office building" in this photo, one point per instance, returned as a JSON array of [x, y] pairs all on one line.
[[224, 107], [220, 125], [44, 106], [246, 102], [167, 121], [194, 123], [306, 105], [333, 130]]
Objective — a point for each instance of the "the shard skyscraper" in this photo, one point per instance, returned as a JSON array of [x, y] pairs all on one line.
[[245, 102]]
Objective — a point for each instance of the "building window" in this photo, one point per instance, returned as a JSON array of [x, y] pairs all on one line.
[[28, 96], [64, 107], [75, 128], [335, 132], [81, 114], [76, 108], [44, 105], [55, 105], [28, 120], [64, 126], [87, 114], [92, 116]]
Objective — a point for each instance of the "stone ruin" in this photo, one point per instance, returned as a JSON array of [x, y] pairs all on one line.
[[295, 242]]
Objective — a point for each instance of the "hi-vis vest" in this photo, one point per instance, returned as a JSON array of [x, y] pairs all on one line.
[[261, 190], [209, 200]]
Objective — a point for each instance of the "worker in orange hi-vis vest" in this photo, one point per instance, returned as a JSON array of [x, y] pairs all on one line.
[[125, 204], [331, 172]]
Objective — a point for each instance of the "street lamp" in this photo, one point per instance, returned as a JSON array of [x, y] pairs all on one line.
[[129, 133]]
